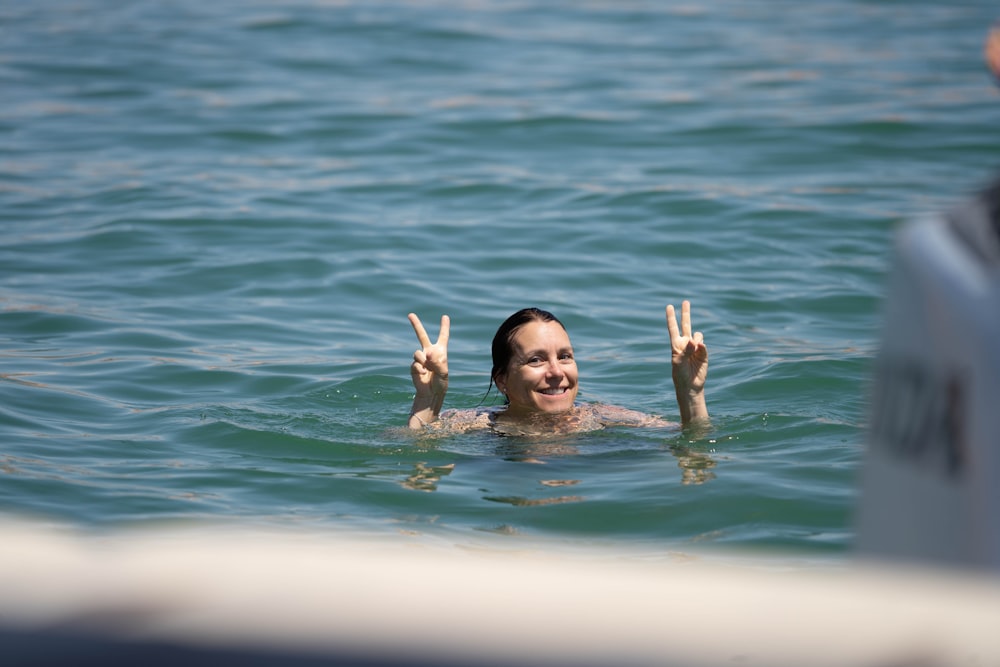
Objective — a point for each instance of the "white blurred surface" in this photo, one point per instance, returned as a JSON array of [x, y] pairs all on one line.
[[407, 601]]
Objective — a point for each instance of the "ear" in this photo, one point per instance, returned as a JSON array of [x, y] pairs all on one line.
[[501, 382]]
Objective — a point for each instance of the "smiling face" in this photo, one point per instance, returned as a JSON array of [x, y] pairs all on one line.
[[541, 375]]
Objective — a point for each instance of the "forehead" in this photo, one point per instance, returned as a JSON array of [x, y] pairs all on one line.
[[540, 335]]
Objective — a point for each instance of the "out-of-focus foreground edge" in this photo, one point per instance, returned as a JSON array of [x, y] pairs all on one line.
[[198, 595]]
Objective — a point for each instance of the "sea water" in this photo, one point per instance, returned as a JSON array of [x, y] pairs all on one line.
[[217, 215]]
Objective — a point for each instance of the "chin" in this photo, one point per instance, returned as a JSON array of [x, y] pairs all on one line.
[[564, 404]]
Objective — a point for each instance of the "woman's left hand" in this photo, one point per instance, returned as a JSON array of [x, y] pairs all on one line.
[[689, 363]]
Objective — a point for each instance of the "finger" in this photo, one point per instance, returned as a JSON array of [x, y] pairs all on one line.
[[672, 323], [698, 338], [418, 328], [445, 331], [686, 317], [420, 357]]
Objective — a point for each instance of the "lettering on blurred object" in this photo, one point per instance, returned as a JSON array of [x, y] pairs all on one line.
[[918, 415]]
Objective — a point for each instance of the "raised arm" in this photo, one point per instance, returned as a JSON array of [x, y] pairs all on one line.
[[429, 371], [689, 365]]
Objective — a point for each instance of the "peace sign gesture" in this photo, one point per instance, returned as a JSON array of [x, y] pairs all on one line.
[[689, 363], [429, 371]]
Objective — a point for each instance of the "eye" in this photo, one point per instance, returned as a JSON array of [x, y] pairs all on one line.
[[565, 356], [535, 361]]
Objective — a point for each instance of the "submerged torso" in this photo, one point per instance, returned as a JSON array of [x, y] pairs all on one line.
[[582, 418]]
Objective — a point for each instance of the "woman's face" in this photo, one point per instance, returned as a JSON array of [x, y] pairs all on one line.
[[541, 375]]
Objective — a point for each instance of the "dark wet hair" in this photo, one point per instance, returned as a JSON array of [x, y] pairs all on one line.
[[502, 348]]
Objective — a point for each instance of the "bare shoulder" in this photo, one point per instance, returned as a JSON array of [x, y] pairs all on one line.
[[451, 422], [615, 415]]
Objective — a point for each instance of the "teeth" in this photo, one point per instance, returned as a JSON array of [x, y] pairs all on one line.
[[554, 392]]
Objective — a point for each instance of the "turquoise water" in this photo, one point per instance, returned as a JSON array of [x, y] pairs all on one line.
[[216, 216]]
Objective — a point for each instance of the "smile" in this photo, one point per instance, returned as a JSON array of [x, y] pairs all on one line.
[[554, 392]]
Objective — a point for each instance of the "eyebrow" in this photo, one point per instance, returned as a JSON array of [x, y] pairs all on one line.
[[541, 352]]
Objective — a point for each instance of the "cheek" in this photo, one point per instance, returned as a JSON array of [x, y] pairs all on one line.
[[519, 380]]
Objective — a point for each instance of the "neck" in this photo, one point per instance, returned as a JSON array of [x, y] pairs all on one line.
[[521, 414]]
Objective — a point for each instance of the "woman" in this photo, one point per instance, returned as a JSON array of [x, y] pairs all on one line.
[[534, 368]]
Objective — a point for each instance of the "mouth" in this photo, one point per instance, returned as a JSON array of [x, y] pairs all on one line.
[[555, 391]]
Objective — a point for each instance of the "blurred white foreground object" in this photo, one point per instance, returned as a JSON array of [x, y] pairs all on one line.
[[931, 475], [199, 597]]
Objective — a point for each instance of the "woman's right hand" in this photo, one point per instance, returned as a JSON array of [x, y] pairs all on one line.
[[429, 369]]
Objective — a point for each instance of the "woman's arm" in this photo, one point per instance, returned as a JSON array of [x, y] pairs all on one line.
[[429, 371], [689, 365]]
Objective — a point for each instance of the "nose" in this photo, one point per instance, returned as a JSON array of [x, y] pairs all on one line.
[[554, 369]]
